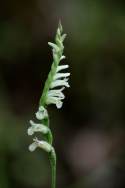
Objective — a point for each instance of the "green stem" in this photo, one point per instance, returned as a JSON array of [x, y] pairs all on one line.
[[53, 168], [52, 155], [49, 136]]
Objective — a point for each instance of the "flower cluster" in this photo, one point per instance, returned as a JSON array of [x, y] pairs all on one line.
[[39, 127], [52, 93], [57, 80]]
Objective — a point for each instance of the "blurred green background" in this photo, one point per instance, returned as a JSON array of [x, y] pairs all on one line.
[[89, 130]]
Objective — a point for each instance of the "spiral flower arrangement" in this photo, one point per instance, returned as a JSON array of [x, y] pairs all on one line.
[[52, 94]]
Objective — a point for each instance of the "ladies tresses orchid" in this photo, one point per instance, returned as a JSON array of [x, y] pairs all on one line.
[[52, 94]]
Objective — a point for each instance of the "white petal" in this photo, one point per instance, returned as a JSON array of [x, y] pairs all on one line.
[[63, 57], [44, 145], [42, 113], [32, 123], [33, 146], [56, 93], [54, 46], [62, 67], [36, 127], [54, 100], [39, 115], [61, 75], [57, 83], [59, 104], [30, 131]]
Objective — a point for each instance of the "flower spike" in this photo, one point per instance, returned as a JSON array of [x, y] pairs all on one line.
[[55, 84], [55, 77]]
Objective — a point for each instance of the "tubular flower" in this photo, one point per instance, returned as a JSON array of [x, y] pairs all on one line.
[[42, 113], [41, 144], [37, 127]]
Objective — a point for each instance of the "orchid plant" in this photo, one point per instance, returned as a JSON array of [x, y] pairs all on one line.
[[52, 94]]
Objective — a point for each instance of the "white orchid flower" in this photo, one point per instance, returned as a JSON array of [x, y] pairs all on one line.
[[37, 127], [42, 113], [40, 144]]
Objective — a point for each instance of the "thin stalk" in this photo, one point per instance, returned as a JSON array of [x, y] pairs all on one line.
[[52, 155], [53, 168]]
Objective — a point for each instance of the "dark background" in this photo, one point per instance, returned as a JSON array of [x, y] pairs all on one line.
[[89, 131]]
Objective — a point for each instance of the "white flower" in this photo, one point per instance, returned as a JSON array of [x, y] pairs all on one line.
[[57, 78], [56, 93], [52, 94], [54, 46], [41, 144], [35, 127], [62, 57], [61, 75], [55, 96], [58, 83], [62, 67], [55, 100], [42, 113]]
